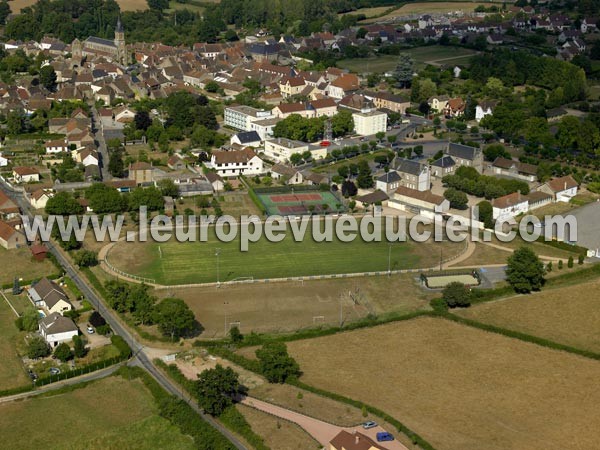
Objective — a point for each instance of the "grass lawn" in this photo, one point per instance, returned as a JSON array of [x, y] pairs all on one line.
[[12, 373], [277, 433], [568, 315], [460, 387], [431, 54], [288, 306], [436, 7], [483, 255], [333, 167], [539, 248], [23, 266], [19, 302], [195, 262], [112, 413]]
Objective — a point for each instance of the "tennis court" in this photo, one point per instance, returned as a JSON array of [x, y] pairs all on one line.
[[299, 203]]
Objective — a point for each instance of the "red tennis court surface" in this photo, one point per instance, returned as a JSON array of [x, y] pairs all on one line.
[[294, 198], [296, 209]]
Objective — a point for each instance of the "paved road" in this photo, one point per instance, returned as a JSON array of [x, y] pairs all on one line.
[[102, 149], [140, 358], [322, 431]]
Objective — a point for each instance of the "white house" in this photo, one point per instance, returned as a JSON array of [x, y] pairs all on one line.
[[56, 146], [3, 161], [388, 182], [246, 138], [413, 174], [236, 162], [483, 109], [50, 296], [264, 127], [562, 189], [39, 198], [289, 174], [510, 205], [56, 329], [368, 122], [26, 174], [438, 104], [424, 203], [88, 157]]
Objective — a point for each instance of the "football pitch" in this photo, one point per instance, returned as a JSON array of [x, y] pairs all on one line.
[[174, 262]]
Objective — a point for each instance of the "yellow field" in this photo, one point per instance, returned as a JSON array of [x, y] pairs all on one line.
[[125, 5], [569, 315], [437, 7], [459, 387]]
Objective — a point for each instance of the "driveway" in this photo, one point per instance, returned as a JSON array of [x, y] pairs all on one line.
[[323, 432]]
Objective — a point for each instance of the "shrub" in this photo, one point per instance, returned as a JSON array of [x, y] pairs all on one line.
[[86, 258], [122, 346], [63, 352], [37, 348], [457, 295], [96, 320], [560, 264], [570, 262], [580, 259]]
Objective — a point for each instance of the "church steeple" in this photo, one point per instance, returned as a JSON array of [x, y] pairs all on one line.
[[119, 27], [120, 42]]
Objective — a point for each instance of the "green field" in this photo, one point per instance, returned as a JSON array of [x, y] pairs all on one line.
[[195, 262], [12, 373], [112, 413], [431, 54]]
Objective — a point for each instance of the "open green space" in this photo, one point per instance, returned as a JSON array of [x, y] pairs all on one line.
[[22, 266], [431, 54], [12, 373], [175, 262], [112, 413]]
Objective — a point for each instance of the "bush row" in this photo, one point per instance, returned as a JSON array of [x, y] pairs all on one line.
[[563, 246]]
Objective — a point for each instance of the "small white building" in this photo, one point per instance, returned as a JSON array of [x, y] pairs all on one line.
[[368, 122], [56, 146], [236, 162], [40, 197], [510, 205], [483, 109], [280, 149], [3, 161], [388, 182], [56, 329], [26, 174], [246, 138], [424, 203], [264, 127], [562, 189]]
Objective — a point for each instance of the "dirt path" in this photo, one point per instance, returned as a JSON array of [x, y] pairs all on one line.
[[323, 432]]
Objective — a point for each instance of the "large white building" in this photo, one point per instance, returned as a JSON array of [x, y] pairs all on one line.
[[236, 162], [264, 127], [368, 122], [241, 117], [280, 149]]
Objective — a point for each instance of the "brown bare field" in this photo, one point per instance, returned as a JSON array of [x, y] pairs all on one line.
[[485, 254], [569, 315], [17, 5], [132, 5], [288, 306], [277, 433], [22, 265], [460, 387], [369, 12]]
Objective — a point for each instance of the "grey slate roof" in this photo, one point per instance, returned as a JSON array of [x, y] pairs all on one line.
[[248, 136], [389, 177], [407, 166], [444, 161], [462, 151], [97, 40]]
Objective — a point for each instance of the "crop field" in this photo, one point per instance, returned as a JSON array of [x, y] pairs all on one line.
[[460, 387], [432, 54], [12, 373], [435, 7], [22, 265], [288, 306], [174, 262], [568, 315], [110, 413], [132, 5]]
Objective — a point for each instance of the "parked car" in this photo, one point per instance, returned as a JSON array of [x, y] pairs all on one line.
[[90, 329], [383, 436], [32, 375], [54, 370], [369, 424]]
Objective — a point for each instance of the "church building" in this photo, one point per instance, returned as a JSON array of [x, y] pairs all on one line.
[[95, 46]]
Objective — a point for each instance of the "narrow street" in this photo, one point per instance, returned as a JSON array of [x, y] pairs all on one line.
[[102, 148]]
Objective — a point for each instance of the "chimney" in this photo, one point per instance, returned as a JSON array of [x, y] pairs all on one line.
[[519, 194], [357, 439], [565, 185]]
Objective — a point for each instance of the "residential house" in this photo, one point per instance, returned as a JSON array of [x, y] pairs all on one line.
[[438, 104], [443, 166], [345, 440], [465, 155], [290, 86], [485, 108], [515, 169], [236, 162], [40, 197], [141, 172], [562, 189], [10, 237], [216, 181], [509, 206], [455, 107], [388, 182], [287, 109], [289, 175], [376, 197], [3, 161], [424, 203], [537, 199], [8, 208], [369, 122], [323, 107], [25, 174], [281, 149], [413, 174], [495, 39], [56, 329], [314, 179], [50, 296], [87, 157], [175, 162], [194, 185], [246, 139], [387, 101], [342, 86], [56, 146], [241, 117]]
